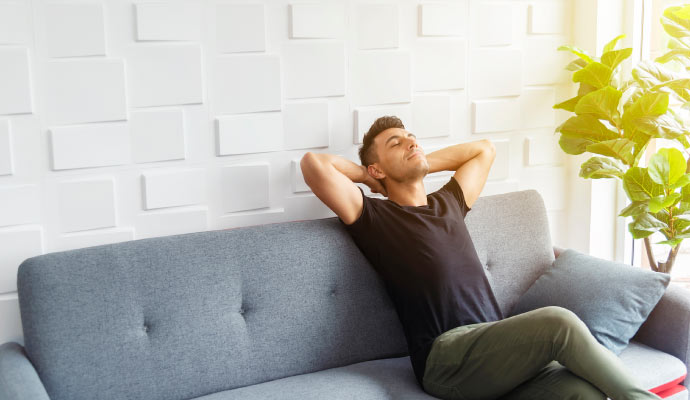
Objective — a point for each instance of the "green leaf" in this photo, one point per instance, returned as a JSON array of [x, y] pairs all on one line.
[[649, 104], [639, 186], [666, 166], [673, 55], [660, 202], [602, 103], [578, 52], [675, 22], [584, 89], [582, 130], [601, 167], [595, 74], [634, 208], [576, 64], [637, 234], [648, 74], [681, 182], [684, 141], [619, 148], [671, 242], [613, 58], [663, 126], [612, 44], [568, 105], [679, 87], [647, 222]]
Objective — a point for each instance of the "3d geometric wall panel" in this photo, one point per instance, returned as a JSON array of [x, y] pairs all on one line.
[[443, 19], [549, 182], [15, 96], [543, 150], [548, 17], [431, 115], [297, 178], [18, 244], [74, 29], [440, 64], [495, 72], [92, 145], [240, 28], [551, 66], [164, 74], [6, 165], [537, 107], [20, 204], [171, 188], [500, 168], [250, 133], [86, 204], [365, 117], [494, 24], [314, 69], [496, 115], [94, 238], [84, 90], [171, 222], [15, 25], [377, 26], [245, 187], [305, 125], [168, 21], [381, 77], [157, 135], [316, 20], [246, 83]]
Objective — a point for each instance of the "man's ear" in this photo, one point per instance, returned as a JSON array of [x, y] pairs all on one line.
[[375, 171]]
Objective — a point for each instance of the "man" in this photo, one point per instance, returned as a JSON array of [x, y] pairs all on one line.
[[460, 345]]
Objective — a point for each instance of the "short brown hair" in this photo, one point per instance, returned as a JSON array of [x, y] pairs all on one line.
[[367, 155]]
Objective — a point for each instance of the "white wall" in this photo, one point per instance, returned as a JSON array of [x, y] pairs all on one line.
[[122, 120]]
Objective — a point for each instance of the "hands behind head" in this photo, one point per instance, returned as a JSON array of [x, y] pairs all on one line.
[[374, 184]]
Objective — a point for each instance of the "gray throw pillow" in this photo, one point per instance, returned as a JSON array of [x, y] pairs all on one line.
[[611, 298]]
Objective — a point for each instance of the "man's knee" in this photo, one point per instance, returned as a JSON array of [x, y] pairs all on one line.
[[560, 316], [584, 390]]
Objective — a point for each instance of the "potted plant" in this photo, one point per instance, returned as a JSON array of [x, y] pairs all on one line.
[[616, 117]]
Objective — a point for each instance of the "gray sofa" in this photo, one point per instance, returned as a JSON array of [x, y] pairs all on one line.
[[279, 311]]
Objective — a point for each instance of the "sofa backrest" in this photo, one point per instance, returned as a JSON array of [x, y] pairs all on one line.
[[181, 316]]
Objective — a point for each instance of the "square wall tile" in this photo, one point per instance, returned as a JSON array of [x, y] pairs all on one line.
[[496, 115], [494, 24], [548, 17], [443, 19], [381, 77], [496, 72], [86, 204], [157, 135], [173, 188], [297, 178], [171, 222], [537, 107], [246, 83], [169, 21], [74, 29], [240, 28], [305, 125], [431, 114], [314, 69], [551, 66], [316, 20], [15, 81], [250, 133], [440, 64], [85, 90], [164, 74], [500, 169], [543, 150], [92, 145], [377, 26], [20, 205], [245, 187]]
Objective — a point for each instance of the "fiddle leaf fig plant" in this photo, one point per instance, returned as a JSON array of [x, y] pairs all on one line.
[[616, 117]]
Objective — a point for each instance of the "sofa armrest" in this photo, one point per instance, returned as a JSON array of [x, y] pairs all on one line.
[[18, 378], [668, 326]]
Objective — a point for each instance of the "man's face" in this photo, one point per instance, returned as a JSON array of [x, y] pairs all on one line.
[[400, 156]]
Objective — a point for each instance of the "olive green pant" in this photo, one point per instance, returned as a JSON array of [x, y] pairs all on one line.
[[548, 353]]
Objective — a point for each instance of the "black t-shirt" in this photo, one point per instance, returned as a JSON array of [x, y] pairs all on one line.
[[429, 265]]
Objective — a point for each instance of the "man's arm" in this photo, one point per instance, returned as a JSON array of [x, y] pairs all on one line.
[[471, 163], [332, 179]]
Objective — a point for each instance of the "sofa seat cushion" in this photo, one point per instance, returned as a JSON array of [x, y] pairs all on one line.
[[660, 372], [390, 378], [393, 378]]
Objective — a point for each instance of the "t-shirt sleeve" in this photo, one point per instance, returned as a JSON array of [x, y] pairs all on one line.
[[365, 219], [454, 188]]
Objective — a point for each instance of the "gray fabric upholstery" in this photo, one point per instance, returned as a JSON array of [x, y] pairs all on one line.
[[651, 367], [191, 315], [18, 378], [668, 326]]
